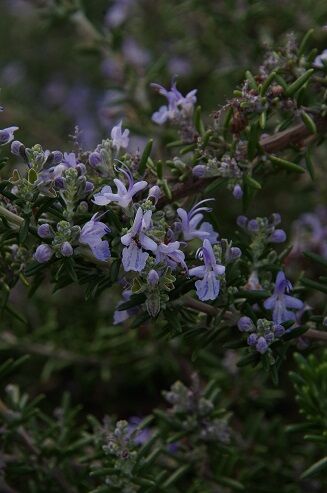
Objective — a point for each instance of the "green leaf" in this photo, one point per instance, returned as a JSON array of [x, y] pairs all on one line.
[[251, 80], [252, 182], [304, 42], [199, 125], [176, 475], [267, 83], [296, 85], [32, 176], [232, 483], [309, 122], [309, 163], [145, 156], [287, 165], [23, 232], [316, 258], [315, 468], [309, 283]]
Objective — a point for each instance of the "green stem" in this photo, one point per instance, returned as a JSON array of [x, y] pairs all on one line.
[[10, 216]]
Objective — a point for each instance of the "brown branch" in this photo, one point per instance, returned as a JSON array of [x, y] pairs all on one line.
[[273, 143], [199, 306]]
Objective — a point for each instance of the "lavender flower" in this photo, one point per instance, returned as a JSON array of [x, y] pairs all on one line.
[[123, 196], [170, 254], [119, 138], [122, 315], [7, 135], [91, 235], [43, 253], [208, 287], [280, 303], [178, 106], [191, 220], [134, 258], [321, 60]]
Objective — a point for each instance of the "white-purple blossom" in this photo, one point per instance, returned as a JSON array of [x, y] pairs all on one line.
[[119, 137], [171, 255], [123, 196], [136, 241], [191, 220], [208, 285], [281, 303], [321, 60], [178, 106], [7, 135], [91, 235]]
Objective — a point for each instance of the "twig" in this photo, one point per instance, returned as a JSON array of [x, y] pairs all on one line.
[[273, 143], [199, 306]]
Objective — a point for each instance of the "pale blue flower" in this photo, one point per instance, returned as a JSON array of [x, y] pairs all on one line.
[[122, 315], [170, 254], [135, 241], [91, 235], [207, 288], [191, 223], [7, 135], [119, 138], [123, 196], [178, 106], [321, 60], [280, 303]]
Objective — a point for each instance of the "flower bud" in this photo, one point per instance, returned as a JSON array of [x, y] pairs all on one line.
[[153, 277], [66, 249], [81, 169], [278, 236], [237, 192], [60, 182], [279, 330], [276, 218], [261, 345], [253, 225], [154, 193], [235, 253], [43, 253], [200, 170], [44, 231], [17, 148], [94, 159], [242, 221], [252, 339], [245, 324], [57, 157], [88, 187]]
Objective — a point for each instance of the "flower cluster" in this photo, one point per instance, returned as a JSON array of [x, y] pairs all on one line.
[[262, 334]]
